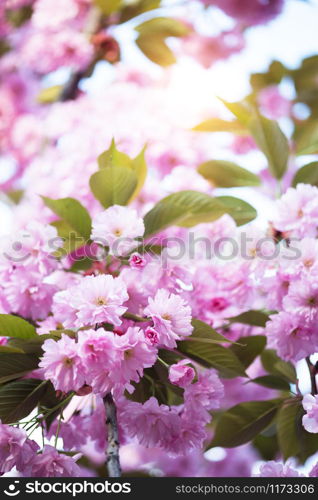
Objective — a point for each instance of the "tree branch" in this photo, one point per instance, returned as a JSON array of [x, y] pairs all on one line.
[[113, 463], [312, 372], [70, 89]]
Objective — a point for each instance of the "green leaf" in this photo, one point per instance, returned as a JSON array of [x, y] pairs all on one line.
[[71, 239], [82, 265], [188, 208], [239, 210], [274, 365], [272, 76], [113, 158], [307, 139], [227, 174], [108, 6], [4, 47], [241, 109], [267, 446], [13, 326], [253, 318], [185, 208], [243, 422], [47, 402], [272, 382], [213, 356], [72, 213], [156, 50], [248, 348], [139, 166], [163, 26], [136, 8], [152, 35], [308, 442], [15, 365], [204, 331], [18, 399], [15, 195], [17, 17], [272, 142], [50, 94], [9, 349], [113, 185], [308, 174], [219, 125], [287, 418]]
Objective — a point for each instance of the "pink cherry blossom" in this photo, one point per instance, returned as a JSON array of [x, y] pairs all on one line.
[[250, 11], [50, 463], [297, 212], [171, 317], [180, 374], [151, 423], [62, 364], [96, 299], [287, 334], [135, 354], [310, 420], [302, 300], [277, 469], [137, 261], [16, 450], [118, 227]]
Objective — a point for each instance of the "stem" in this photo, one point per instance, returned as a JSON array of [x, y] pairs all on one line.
[[312, 373], [70, 89], [58, 429], [113, 463], [134, 317]]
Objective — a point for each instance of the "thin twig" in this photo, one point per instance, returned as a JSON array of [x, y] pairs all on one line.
[[113, 463], [312, 372]]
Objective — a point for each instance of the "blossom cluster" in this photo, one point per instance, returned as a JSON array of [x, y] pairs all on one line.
[[154, 293]]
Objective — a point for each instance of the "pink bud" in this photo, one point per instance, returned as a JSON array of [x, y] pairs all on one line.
[[152, 336], [180, 374], [136, 261]]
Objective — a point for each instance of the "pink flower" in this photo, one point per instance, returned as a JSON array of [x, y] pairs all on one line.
[[314, 471], [287, 334], [151, 423], [46, 51], [180, 374], [300, 256], [96, 299], [28, 294], [99, 357], [16, 450], [117, 228], [302, 299], [50, 463], [62, 364], [100, 299], [243, 144], [171, 317], [249, 11], [49, 16], [137, 261], [297, 212], [135, 355], [310, 420], [209, 49], [277, 469], [273, 104], [151, 336], [203, 396], [182, 178]]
